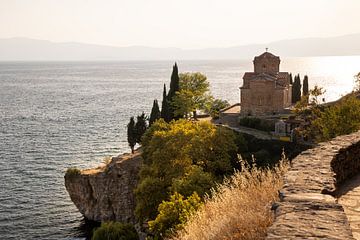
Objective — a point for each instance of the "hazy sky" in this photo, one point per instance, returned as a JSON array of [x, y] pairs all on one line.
[[180, 23]]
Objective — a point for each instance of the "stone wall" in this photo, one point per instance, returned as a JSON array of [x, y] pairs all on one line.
[[308, 208]]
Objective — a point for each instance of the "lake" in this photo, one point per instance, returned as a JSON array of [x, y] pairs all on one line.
[[55, 115]]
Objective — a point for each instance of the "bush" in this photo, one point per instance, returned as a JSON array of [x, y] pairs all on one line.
[[174, 214], [240, 208], [215, 107], [257, 123], [181, 156], [339, 119], [72, 171], [115, 231]]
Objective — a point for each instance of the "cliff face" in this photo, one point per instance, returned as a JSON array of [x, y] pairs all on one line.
[[106, 193]]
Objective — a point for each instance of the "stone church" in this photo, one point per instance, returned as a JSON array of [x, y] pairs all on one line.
[[266, 90]]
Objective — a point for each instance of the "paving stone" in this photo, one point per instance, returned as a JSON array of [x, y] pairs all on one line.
[[309, 208]]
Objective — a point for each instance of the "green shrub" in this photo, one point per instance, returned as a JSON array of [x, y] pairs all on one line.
[[174, 214], [257, 123], [339, 119], [215, 107], [196, 180], [72, 171], [181, 156], [115, 231]]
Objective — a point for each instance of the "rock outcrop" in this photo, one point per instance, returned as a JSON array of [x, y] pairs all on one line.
[[106, 193], [308, 208]]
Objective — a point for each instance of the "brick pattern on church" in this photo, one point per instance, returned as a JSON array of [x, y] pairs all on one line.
[[266, 90]]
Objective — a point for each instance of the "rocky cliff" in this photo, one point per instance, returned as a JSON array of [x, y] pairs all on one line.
[[106, 193]]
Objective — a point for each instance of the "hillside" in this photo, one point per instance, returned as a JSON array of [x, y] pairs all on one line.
[[24, 49]]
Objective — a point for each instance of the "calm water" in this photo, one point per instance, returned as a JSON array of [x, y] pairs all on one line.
[[57, 115]]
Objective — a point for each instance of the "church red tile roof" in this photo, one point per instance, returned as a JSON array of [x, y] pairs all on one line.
[[266, 55]]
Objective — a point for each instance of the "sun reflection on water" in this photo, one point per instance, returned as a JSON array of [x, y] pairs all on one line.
[[334, 74]]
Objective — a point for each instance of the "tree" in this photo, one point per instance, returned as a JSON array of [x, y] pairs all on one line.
[[174, 87], [155, 113], [305, 86], [140, 127], [165, 107], [215, 106], [302, 106], [314, 94], [193, 94], [296, 89], [115, 231], [131, 134], [181, 156], [291, 78]]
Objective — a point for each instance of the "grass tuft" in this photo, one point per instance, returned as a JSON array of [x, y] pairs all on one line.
[[240, 208], [72, 171]]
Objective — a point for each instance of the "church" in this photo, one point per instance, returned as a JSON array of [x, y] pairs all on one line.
[[266, 90]]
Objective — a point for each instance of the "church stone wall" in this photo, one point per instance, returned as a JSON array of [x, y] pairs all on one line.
[[266, 90], [267, 65]]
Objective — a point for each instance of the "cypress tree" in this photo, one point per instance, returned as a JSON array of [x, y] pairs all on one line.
[[174, 87], [291, 79], [299, 88], [131, 134], [155, 113], [293, 92], [305, 86], [165, 107], [174, 82], [140, 127], [296, 89]]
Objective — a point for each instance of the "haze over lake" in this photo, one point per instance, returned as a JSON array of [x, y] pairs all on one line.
[[55, 115]]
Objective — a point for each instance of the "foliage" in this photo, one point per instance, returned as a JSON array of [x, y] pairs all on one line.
[[181, 156], [305, 86], [357, 82], [174, 87], [315, 93], [155, 113], [291, 78], [195, 180], [257, 123], [239, 208], [72, 171], [115, 231], [183, 103], [131, 134], [215, 106], [165, 107], [303, 106], [159, 125], [296, 89], [174, 214], [193, 94], [241, 143], [339, 119], [140, 127]]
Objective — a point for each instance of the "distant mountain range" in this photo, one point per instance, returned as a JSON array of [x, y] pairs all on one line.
[[25, 49]]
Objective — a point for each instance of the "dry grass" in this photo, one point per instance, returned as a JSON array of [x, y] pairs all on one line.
[[240, 208]]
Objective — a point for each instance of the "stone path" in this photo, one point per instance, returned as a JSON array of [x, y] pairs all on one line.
[[349, 198], [230, 119]]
